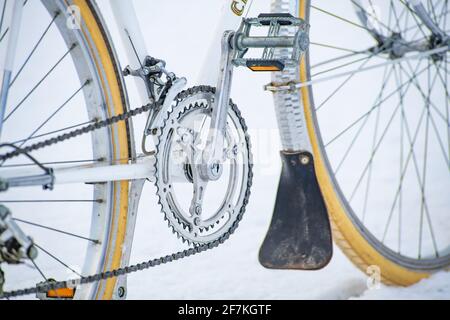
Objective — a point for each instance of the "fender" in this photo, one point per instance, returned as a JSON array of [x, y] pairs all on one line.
[[299, 236]]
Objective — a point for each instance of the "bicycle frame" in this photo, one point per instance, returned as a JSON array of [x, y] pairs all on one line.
[[136, 51]]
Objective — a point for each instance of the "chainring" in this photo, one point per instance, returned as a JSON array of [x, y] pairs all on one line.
[[199, 100]]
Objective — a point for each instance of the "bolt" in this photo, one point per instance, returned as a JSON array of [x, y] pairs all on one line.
[[198, 210], [197, 222], [304, 159]]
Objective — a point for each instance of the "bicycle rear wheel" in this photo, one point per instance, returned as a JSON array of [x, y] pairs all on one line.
[[76, 237], [381, 177]]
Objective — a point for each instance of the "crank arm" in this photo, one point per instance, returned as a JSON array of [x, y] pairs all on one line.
[[216, 138], [188, 141]]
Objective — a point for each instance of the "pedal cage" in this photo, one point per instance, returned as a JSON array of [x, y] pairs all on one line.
[[277, 24]]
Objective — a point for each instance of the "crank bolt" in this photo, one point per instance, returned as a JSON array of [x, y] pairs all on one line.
[[304, 160]]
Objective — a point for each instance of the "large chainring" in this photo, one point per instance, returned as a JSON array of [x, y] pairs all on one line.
[[184, 127]]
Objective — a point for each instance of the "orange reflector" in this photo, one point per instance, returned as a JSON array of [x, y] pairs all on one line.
[[64, 293], [265, 65], [264, 68]]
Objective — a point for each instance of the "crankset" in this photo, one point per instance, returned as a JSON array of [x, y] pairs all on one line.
[[200, 136]]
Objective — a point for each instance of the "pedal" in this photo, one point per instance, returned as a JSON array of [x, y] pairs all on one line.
[[283, 19], [278, 26]]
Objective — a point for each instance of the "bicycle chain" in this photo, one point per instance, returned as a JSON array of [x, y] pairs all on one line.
[[48, 286], [75, 133]]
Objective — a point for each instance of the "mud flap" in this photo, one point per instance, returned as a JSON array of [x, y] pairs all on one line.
[[299, 236]]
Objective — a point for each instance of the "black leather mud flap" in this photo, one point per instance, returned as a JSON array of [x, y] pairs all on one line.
[[299, 236]]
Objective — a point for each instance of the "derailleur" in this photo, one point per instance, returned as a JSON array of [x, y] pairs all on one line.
[[159, 90], [15, 245]]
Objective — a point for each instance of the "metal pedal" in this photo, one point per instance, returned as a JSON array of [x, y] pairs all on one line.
[[243, 41], [259, 65]]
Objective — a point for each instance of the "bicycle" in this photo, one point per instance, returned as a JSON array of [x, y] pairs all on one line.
[[198, 137]]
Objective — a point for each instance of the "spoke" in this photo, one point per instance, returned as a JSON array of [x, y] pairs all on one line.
[[419, 56], [56, 259], [33, 50], [386, 78], [418, 176], [393, 12], [56, 131], [399, 80], [422, 24], [346, 56], [369, 176], [447, 113], [425, 160], [382, 138], [417, 85], [7, 29], [406, 83], [374, 152], [39, 83], [330, 46], [54, 113], [405, 168], [38, 270], [342, 85], [3, 14], [366, 59], [57, 230], [340, 18]]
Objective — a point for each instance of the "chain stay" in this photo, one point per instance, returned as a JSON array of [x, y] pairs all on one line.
[[47, 286]]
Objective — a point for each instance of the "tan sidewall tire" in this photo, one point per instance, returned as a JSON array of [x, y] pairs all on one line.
[[346, 234], [108, 72]]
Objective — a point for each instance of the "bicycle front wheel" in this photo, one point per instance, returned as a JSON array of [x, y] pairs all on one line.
[[379, 130], [68, 69]]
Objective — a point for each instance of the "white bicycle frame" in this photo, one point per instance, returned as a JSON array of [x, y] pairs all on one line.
[[136, 51], [132, 38]]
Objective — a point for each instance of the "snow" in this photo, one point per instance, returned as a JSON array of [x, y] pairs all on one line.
[[435, 288]]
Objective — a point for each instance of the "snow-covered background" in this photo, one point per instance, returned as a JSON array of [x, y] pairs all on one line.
[[178, 31]]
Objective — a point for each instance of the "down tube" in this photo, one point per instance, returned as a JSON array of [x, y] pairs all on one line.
[[132, 39]]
